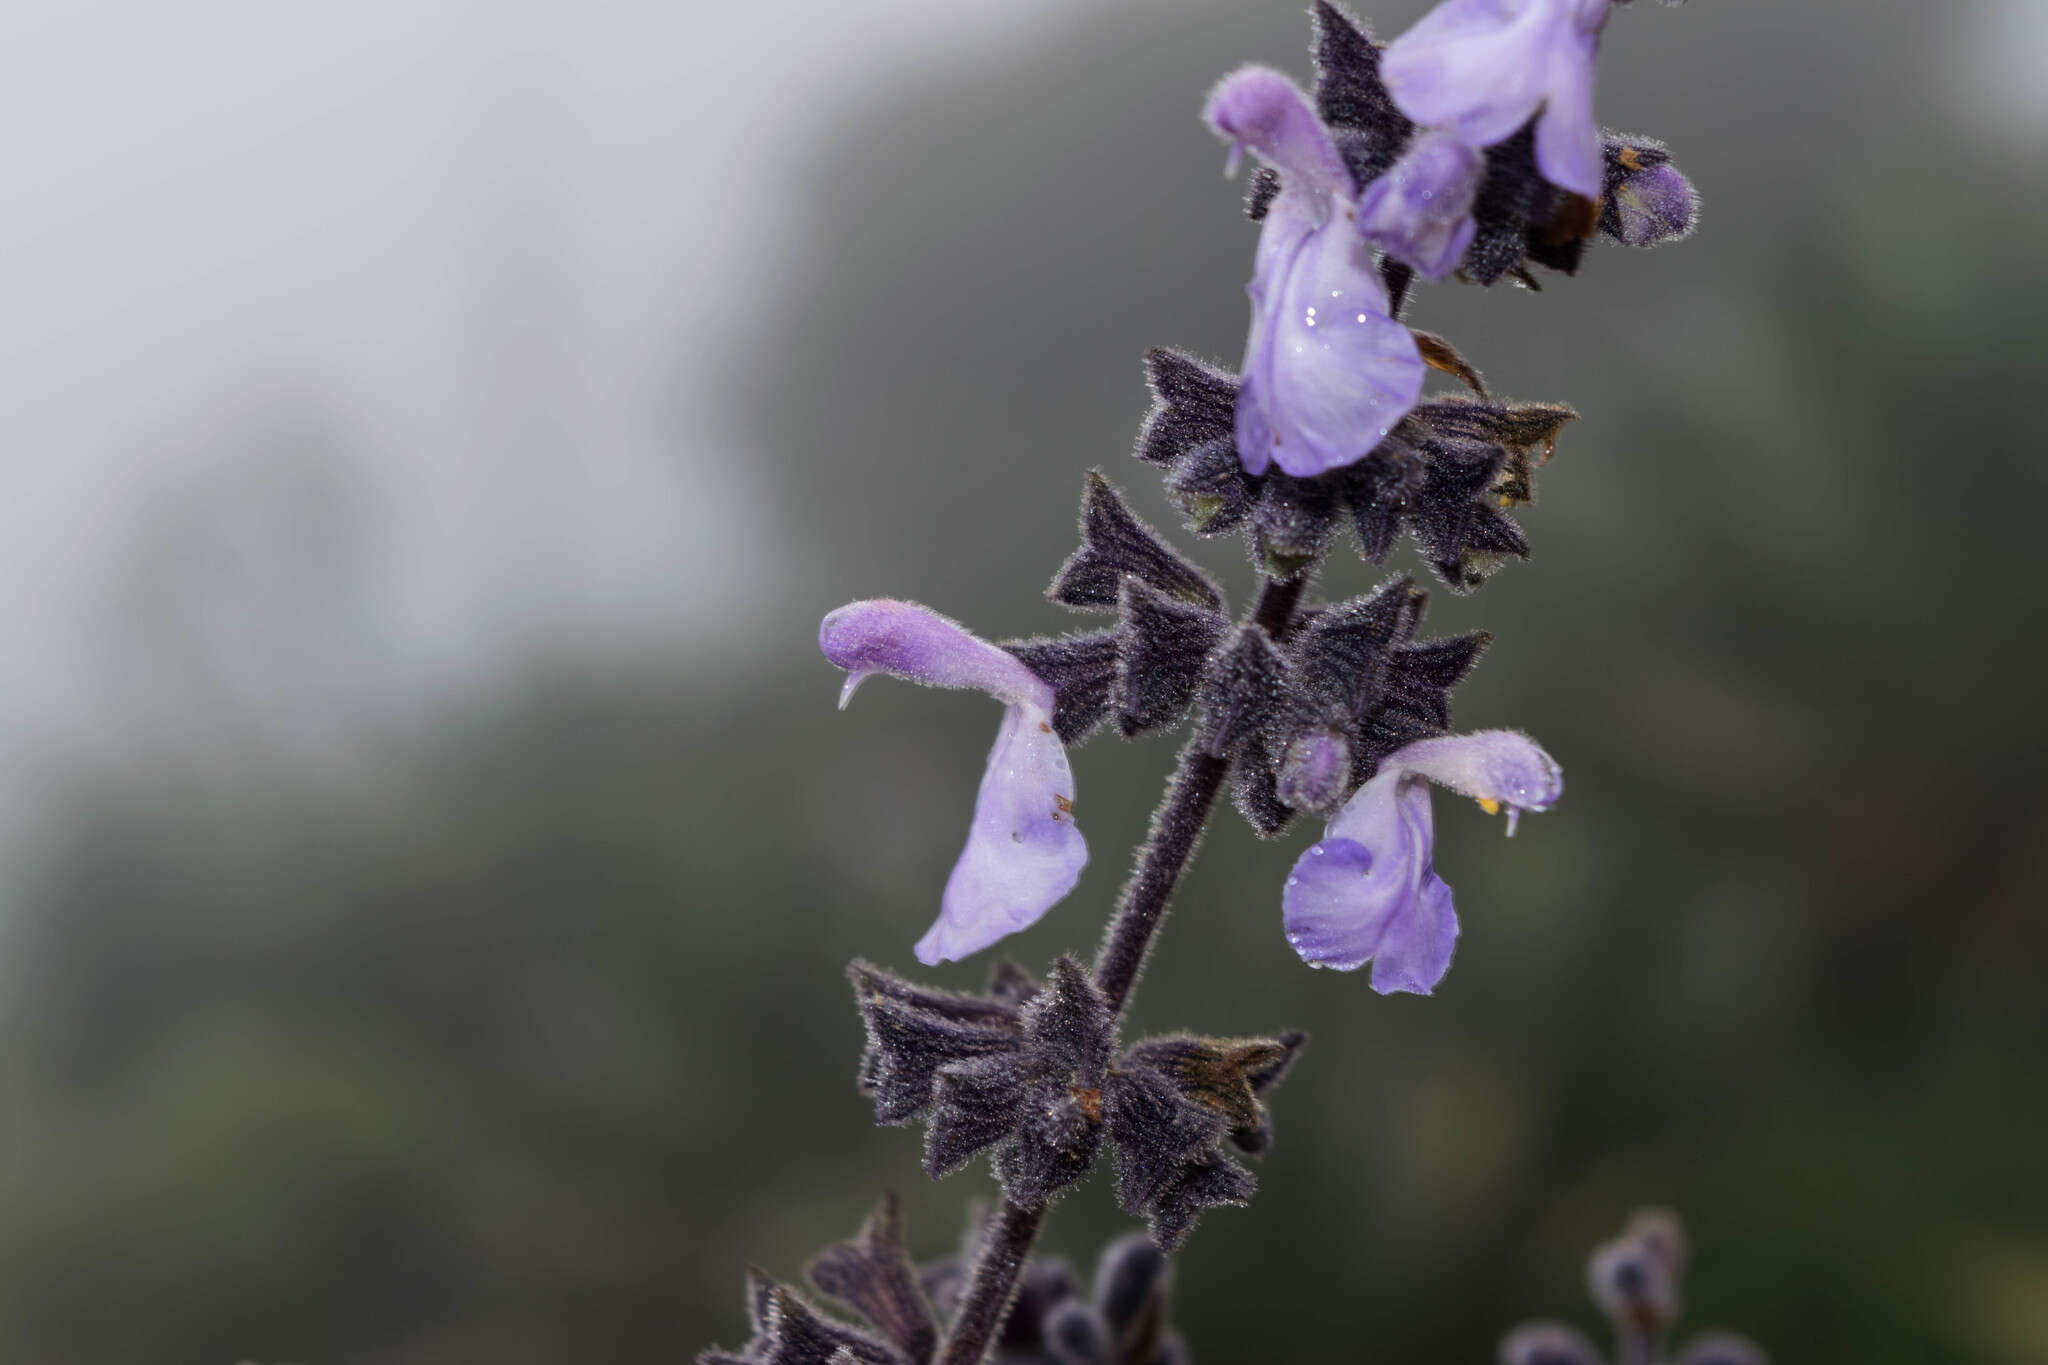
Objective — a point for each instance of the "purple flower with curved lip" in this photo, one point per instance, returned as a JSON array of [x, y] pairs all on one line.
[[1369, 891], [1481, 69], [1023, 851], [1326, 372], [1420, 211]]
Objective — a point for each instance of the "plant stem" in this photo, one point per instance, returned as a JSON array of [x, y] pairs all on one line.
[[1176, 830], [992, 1285]]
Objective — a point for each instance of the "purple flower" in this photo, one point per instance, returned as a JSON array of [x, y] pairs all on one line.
[[1326, 372], [1023, 851], [1481, 69], [1420, 211], [1369, 891]]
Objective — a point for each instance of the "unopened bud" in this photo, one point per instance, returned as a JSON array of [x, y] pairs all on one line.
[[1648, 200], [1131, 1278], [1315, 770], [1073, 1335], [1634, 1278]]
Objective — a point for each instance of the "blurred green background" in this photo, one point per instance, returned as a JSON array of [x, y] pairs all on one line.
[[500, 1017]]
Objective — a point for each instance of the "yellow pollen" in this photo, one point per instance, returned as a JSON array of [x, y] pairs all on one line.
[[1489, 805]]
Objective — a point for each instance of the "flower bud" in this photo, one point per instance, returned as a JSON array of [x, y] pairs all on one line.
[[1074, 1335], [1657, 205], [1314, 771], [1634, 1278], [1648, 200], [1131, 1282]]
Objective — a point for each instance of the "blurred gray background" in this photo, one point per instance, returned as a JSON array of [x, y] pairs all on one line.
[[430, 850]]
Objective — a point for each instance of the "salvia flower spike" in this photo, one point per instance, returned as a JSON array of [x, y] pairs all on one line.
[[1369, 891], [1023, 852], [1465, 148]]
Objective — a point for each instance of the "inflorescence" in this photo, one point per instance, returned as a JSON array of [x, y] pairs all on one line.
[[1466, 147]]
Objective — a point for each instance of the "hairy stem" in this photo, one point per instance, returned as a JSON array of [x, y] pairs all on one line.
[[1176, 829], [993, 1284], [1169, 847]]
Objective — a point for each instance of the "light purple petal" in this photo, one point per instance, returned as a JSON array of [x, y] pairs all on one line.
[[1327, 373], [1475, 68], [1480, 69], [1567, 142], [1494, 767], [1253, 434], [1416, 951], [1023, 851], [1258, 108], [914, 642], [1420, 211], [1369, 892]]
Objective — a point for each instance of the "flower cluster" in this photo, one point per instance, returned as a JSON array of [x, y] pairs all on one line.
[[1033, 1074], [1122, 1319], [1346, 715], [1467, 144], [1634, 1280]]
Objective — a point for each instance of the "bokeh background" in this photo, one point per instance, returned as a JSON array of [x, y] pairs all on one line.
[[430, 851]]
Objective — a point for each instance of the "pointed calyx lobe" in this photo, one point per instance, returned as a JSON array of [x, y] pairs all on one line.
[[787, 1330], [1116, 545], [1143, 672], [874, 1275], [1031, 1075]]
